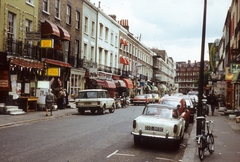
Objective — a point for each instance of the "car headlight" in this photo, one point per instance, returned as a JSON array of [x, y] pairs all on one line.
[[175, 129]]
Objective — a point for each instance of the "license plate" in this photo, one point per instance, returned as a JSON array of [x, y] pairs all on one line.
[[152, 128], [87, 103]]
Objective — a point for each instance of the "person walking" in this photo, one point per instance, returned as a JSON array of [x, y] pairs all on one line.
[[49, 100], [212, 100]]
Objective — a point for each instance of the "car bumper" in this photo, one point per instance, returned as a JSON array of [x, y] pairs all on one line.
[[165, 137]]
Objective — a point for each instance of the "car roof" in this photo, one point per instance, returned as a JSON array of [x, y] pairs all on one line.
[[175, 98], [162, 106], [85, 90]]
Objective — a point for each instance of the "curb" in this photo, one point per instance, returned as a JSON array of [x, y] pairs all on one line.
[[33, 120]]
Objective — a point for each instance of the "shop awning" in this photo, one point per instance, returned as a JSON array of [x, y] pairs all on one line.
[[123, 61], [64, 35], [98, 82], [128, 82], [27, 63], [109, 84], [49, 28], [235, 78], [58, 63], [120, 83]]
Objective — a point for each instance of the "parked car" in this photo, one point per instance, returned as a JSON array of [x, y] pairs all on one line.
[[141, 99], [159, 121], [178, 101], [156, 97], [95, 100], [190, 107], [150, 96]]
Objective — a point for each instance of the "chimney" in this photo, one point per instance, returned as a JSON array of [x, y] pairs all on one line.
[[114, 17], [99, 4], [124, 23]]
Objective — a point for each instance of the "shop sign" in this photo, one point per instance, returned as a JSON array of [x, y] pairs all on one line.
[[53, 72], [4, 80], [47, 43], [93, 73], [234, 68]]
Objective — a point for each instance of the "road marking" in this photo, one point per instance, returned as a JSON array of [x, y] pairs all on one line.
[[112, 154], [158, 158], [115, 153], [125, 154]]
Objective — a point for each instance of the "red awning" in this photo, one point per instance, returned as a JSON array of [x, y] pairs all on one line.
[[128, 82], [64, 35], [58, 63], [127, 61], [98, 82], [123, 61], [120, 83], [109, 84], [49, 28]]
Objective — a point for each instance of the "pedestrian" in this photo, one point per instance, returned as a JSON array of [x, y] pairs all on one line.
[[61, 99], [49, 100], [212, 100]]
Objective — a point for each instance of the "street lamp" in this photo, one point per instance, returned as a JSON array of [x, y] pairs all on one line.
[[201, 73]]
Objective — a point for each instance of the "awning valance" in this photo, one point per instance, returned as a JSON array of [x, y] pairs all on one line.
[[123, 61], [109, 84], [128, 82], [27, 63], [98, 82], [58, 63], [64, 35], [120, 83], [49, 28]]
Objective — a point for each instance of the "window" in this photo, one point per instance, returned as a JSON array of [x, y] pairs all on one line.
[[67, 45], [111, 41], [101, 31], [92, 53], [11, 25], [106, 34], [93, 29], [77, 20], [46, 6], [30, 2], [68, 15], [57, 8], [86, 25], [76, 51], [116, 40], [85, 51], [28, 25]]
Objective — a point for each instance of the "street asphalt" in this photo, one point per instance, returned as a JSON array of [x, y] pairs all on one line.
[[224, 128]]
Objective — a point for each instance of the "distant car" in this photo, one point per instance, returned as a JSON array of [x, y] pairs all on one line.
[[178, 101], [159, 121], [190, 107], [141, 99], [95, 100], [150, 96], [156, 97]]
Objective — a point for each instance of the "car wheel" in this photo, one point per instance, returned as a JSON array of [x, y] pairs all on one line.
[[81, 111], [112, 109], [137, 140]]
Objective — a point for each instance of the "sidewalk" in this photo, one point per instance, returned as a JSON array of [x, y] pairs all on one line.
[[9, 120], [226, 139]]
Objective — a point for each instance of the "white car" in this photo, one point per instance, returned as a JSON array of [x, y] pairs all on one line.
[[159, 121], [95, 100]]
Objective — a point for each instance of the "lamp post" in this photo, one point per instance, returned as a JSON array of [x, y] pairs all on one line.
[[201, 73]]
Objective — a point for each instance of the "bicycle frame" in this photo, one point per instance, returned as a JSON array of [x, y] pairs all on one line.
[[205, 140]]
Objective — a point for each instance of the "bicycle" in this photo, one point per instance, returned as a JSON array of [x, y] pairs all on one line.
[[205, 140]]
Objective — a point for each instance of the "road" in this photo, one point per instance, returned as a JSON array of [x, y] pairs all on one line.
[[83, 138]]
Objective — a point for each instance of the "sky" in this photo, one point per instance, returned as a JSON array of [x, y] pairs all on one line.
[[172, 25]]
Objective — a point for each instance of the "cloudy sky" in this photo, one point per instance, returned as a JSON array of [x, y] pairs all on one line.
[[172, 25]]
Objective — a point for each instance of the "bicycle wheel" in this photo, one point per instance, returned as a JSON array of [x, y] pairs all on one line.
[[210, 141], [201, 148]]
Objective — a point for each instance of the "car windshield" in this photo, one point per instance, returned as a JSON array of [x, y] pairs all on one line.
[[161, 112], [90, 94], [172, 103]]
